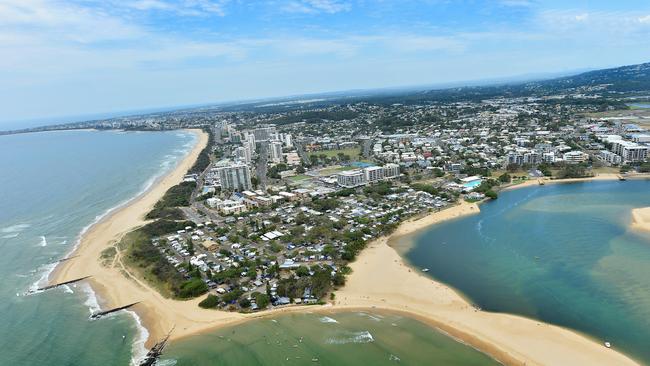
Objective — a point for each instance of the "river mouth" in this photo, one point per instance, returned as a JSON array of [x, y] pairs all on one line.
[[337, 338], [564, 254]]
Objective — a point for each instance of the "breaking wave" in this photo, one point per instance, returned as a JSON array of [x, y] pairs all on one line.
[[327, 319], [351, 337], [138, 350], [14, 228]]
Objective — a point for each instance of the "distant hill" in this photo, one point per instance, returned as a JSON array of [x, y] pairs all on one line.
[[625, 79], [622, 79]]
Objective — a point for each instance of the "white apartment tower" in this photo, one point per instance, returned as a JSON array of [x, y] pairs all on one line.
[[235, 177], [351, 178], [275, 151], [373, 174]]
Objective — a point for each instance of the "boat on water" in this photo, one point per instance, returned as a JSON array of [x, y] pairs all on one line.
[[425, 270], [608, 345]]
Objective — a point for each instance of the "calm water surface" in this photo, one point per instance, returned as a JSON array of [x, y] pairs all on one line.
[[640, 105], [560, 253], [335, 339]]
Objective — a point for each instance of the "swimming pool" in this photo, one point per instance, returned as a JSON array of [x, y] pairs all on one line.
[[472, 184]]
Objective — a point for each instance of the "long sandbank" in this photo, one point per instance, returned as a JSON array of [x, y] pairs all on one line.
[[380, 280], [641, 219]]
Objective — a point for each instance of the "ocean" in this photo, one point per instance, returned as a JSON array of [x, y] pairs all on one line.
[[561, 253], [54, 185]]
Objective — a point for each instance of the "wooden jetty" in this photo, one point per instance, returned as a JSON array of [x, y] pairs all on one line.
[[48, 287], [100, 314]]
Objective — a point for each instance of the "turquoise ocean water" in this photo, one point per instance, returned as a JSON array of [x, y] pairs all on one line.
[[560, 253], [52, 186]]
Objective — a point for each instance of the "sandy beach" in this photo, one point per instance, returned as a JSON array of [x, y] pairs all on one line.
[[641, 218], [115, 286], [380, 280], [545, 181]]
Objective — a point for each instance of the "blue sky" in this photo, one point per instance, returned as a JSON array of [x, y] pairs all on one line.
[[61, 58]]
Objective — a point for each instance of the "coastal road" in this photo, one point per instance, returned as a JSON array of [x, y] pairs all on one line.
[[301, 152], [365, 150]]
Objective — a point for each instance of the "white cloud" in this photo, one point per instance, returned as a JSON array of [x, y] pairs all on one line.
[[150, 5], [607, 22], [516, 3], [317, 6], [581, 17], [183, 7], [57, 21]]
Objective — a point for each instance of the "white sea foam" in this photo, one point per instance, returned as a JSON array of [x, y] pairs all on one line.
[[45, 275], [14, 228], [138, 350], [376, 318], [92, 301], [67, 289], [327, 319], [43, 241], [351, 337], [168, 362], [10, 236]]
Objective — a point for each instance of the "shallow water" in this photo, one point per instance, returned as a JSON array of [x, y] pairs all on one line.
[[560, 253], [360, 338], [52, 186], [640, 105]]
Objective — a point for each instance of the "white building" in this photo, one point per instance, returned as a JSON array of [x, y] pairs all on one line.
[[630, 151], [351, 178], [226, 207], [373, 174], [640, 138], [532, 158], [575, 157], [610, 157], [391, 170], [275, 151], [235, 177], [264, 133], [250, 144], [286, 139], [243, 154]]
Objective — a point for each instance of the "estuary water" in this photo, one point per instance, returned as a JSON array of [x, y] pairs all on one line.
[[561, 253], [640, 105], [52, 186], [351, 338]]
